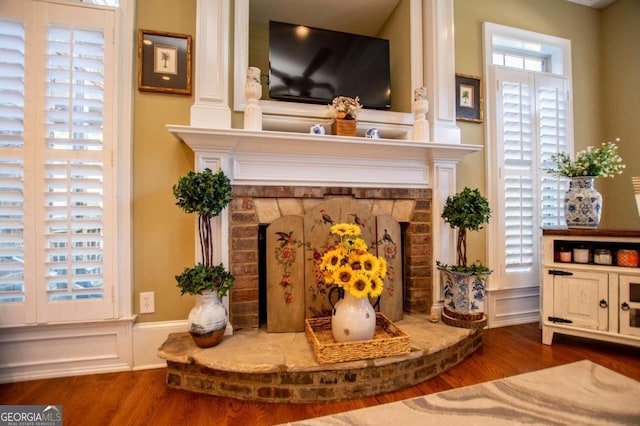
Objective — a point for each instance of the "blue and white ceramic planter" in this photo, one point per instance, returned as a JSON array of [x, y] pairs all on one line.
[[463, 293], [582, 203]]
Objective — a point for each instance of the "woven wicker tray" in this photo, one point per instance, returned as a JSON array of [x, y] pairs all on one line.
[[388, 340]]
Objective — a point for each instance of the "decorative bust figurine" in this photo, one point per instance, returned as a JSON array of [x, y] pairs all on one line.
[[420, 108], [253, 92]]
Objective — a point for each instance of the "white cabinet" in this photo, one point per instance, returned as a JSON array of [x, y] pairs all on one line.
[[595, 299], [630, 305], [582, 298]]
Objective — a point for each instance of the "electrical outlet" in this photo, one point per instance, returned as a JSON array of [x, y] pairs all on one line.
[[147, 302]]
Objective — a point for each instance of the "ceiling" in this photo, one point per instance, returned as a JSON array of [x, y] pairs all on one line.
[[342, 15], [339, 15]]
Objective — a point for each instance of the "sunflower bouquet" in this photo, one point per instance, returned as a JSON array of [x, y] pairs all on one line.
[[349, 265]]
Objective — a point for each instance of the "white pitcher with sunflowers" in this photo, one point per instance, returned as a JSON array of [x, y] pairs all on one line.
[[358, 275]]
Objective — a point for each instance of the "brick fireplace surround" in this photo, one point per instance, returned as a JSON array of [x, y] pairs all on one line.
[[256, 205]]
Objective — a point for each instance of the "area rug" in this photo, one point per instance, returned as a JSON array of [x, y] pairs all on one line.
[[580, 393]]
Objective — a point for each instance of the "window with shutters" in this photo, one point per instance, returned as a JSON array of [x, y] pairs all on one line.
[[528, 120], [57, 196]]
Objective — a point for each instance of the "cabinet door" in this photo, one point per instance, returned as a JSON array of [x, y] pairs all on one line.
[[630, 305], [582, 299]]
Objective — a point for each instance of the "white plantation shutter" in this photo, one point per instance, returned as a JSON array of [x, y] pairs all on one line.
[[552, 113], [17, 300], [55, 163], [531, 126], [518, 174]]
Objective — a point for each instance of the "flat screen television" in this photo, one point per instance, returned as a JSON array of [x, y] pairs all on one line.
[[314, 65]]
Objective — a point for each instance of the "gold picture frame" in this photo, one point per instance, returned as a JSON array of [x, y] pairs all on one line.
[[469, 100], [164, 62]]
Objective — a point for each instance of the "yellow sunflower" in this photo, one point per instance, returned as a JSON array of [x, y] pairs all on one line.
[[344, 276], [382, 271], [332, 259], [370, 263], [375, 286], [345, 229], [361, 286], [354, 243]]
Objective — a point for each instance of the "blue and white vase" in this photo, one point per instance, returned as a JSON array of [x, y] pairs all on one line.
[[463, 293], [582, 203], [372, 133], [316, 129]]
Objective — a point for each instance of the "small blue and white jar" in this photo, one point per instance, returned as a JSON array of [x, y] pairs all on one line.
[[316, 129], [372, 133]]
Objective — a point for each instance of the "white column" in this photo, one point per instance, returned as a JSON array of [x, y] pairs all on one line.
[[439, 69], [211, 107], [220, 223], [444, 184]]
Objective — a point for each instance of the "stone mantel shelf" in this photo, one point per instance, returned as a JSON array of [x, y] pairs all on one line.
[[287, 158]]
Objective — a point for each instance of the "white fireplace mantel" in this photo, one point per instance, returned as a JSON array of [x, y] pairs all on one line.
[[283, 158]]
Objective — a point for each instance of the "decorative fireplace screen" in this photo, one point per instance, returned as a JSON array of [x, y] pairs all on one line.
[[294, 245]]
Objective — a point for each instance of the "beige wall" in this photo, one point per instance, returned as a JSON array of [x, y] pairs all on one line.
[[164, 241], [620, 71], [163, 236]]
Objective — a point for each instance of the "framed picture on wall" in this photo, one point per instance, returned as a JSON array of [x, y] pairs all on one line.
[[164, 62], [469, 101]]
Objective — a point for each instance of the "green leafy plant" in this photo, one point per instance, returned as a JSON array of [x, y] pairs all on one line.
[[207, 194], [466, 211], [200, 278], [603, 161]]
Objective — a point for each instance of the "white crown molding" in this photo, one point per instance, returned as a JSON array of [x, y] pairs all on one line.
[[596, 4]]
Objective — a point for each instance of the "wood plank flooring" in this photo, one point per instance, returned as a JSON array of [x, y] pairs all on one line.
[[141, 397]]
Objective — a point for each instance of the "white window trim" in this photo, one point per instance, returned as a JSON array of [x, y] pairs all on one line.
[[123, 287], [560, 48]]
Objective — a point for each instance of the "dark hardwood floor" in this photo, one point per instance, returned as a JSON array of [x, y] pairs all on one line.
[[141, 397]]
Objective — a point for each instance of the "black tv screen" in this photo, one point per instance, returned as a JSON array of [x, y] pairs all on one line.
[[314, 66]]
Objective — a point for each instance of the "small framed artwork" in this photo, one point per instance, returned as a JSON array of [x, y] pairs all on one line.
[[164, 62], [469, 102]]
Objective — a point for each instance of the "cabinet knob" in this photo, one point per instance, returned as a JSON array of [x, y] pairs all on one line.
[[624, 306], [603, 303]]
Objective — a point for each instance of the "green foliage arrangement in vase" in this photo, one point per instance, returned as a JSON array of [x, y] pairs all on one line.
[[582, 201], [206, 194], [463, 283]]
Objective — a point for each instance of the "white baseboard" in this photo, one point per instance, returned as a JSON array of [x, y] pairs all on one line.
[[59, 350], [512, 306], [148, 337]]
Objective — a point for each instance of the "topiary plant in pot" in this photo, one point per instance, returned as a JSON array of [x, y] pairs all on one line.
[[207, 194], [464, 284]]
